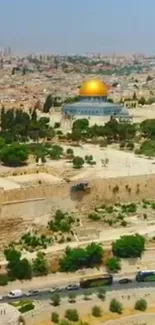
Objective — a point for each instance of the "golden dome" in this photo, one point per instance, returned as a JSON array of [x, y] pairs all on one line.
[[93, 87]]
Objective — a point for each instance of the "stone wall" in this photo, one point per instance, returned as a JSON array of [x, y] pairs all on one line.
[[22, 209], [122, 189]]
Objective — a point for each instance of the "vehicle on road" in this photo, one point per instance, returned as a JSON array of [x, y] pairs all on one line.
[[71, 287], [32, 293], [96, 281], [1, 298], [15, 294], [57, 289], [125, 281], [145, 276]]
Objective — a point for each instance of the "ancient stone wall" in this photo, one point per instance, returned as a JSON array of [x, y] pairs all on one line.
[[23, 209], [122, 189]]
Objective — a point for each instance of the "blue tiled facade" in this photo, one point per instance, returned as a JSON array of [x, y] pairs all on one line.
[[95, 106]]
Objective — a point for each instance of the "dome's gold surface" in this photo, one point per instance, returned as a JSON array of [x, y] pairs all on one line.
[[93, 87]]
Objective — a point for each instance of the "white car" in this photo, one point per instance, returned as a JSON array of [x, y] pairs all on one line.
[[73, 287], [32, 293], [1, 298], [57, 289]]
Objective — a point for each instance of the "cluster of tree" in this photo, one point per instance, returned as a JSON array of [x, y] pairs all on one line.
[[18, 126], [115, 306], [33, 241], [62, 222], [20, 268], [129, 246], [113, 131], [17, 154], [78, 258]]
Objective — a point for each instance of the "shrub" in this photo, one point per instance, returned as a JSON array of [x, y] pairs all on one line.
[[72, 297], [87, 295], [103, 143], [141, 305], [72, 315], [124, 223], [55, 317], [96, 311], [70, 152], [94, 216], [101, 294], [26, 308], [115, 306], [130, 145], [113, 264], [122, 145], [78, 162], [64, 322], [109, 209], [55, 299]]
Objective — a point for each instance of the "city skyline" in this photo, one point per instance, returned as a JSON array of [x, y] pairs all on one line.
[[78, 27]]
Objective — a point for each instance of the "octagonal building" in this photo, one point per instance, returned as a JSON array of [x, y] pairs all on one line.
[[93, 102]]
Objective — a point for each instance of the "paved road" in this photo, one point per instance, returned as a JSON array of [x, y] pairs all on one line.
[[46, 294]]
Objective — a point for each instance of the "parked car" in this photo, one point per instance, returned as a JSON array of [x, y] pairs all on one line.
[[32, 293], [125, 281], [1, 298], [72, 287]]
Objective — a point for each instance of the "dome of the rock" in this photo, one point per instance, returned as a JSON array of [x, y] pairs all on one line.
[[93, 88]]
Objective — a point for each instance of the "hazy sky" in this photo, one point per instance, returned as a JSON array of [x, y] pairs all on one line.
[[71, 26]]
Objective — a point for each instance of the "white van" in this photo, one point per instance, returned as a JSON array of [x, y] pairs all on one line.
[[15, 294]]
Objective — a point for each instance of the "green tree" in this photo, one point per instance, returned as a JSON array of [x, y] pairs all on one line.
[[147, 128], [64, 322], [97, 311], [78, 258], [48, 104], [34, 115], [55, 317], [55, 298], [12, 255], [2, 143], [14, 155], [72, 315], [72, 297], [129, 246], [78, 162], [115, 306], [101, 294], [113, 264], [87, 295], [142, 101], [141, 305], [70, 152], [56, 152], [40, 264], [81, 124], [75, 135], [17, 268]]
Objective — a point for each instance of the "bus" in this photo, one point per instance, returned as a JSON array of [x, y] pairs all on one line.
[[96, 281], [145, 276]]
